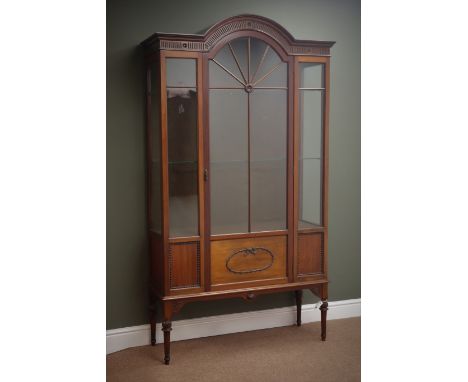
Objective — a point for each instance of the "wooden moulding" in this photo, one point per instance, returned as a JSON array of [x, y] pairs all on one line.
[[205, 42], [246, 292]]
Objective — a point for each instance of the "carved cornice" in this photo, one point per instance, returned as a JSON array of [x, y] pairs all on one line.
[[205, 42]]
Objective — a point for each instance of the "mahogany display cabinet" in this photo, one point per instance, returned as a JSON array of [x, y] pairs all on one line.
[[237, 132]]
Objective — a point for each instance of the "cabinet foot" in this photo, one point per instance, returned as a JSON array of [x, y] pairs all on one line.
[[166, 328], [323, 314], [298, 307]]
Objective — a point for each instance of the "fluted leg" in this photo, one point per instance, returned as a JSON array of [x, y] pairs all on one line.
[[298, 307], [323, 313], [153, 324], [153, 311], [168, 310], [166, 328]]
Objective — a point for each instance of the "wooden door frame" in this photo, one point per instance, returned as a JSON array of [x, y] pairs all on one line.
[[325, 150], [289, 231], [167, 240]]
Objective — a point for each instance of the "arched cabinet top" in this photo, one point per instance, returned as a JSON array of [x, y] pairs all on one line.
[[230, 27]]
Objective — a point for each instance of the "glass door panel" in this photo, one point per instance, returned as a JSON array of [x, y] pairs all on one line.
[[311, 141], [277, 78], [182, 114], [224, 71], [248, 138], [268, 137], [239, 49], [229, 175], [257, 53], [270, 70]]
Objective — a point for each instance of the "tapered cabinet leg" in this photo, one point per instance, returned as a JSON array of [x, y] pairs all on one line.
[[153, 324], [298, 307], [166, 328], [323, 313]]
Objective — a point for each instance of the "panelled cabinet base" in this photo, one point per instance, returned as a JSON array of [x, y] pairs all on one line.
[[237, 166]]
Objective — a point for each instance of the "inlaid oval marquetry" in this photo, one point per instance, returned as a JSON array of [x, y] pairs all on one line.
[[249, 260]]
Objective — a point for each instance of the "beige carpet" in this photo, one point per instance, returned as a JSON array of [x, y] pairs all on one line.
[[289, 354]]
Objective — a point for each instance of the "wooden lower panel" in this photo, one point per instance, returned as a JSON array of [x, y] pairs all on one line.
[[309, 254], [240, 260], [184, 265]]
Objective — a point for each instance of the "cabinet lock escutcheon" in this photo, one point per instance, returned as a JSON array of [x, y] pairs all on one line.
[[205, 174]]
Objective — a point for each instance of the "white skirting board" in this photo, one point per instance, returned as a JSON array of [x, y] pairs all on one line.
[[122, 338]]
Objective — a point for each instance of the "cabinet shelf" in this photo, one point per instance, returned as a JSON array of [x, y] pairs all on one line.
[[251, 161], [183, 162], [305, 225], [229, 161]]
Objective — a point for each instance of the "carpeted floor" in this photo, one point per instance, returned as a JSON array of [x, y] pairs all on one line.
[[289, 354]]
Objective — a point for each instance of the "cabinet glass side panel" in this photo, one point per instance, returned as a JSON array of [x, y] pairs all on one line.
[[311, 103], [155, 132], [181, 72], [182, 116], [311, 75]]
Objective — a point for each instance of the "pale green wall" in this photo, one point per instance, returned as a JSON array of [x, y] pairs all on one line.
[[130, 22]]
